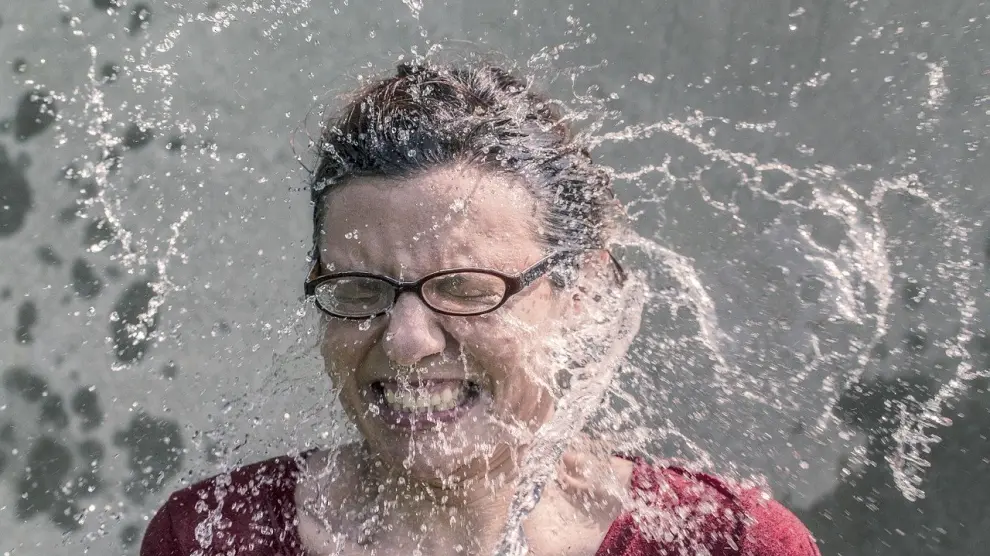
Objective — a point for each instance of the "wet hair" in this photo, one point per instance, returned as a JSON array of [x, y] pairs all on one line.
[[426, 117]]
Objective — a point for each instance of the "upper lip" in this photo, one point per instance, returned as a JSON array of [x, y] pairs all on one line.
[[383, 370], [419, 378]]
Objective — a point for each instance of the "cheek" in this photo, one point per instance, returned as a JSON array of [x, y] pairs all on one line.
[[344, 346], [508, 347], [532, 331]]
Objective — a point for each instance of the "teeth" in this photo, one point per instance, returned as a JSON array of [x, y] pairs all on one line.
[[414, 401]]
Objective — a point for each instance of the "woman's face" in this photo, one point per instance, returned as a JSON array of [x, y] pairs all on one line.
[[442, 396]]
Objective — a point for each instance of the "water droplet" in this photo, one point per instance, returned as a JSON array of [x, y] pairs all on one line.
[[415, 6], [165, 45]]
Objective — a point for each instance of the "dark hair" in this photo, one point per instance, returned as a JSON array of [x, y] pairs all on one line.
[[424, 117]]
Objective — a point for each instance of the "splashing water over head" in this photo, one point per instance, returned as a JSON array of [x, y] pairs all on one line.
[[444, 170]]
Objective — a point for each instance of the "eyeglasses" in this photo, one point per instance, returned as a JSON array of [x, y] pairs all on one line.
[[458, 291]]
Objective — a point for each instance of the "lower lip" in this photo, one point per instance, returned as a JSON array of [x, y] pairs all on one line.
[[424, 420]]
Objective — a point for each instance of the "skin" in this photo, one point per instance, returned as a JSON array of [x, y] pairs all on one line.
[[451, 487]]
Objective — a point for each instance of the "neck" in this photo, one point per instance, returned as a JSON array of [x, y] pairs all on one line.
[[471, 511]]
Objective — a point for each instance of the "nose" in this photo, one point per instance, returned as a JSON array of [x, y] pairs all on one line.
[[412, 333]]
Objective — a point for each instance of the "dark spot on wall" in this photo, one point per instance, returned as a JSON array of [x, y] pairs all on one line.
[[113, 272], [130, 325], [68, 215], [19, 65], [881, 350], [8, 435], [85, 282], [105, 5], [24, 383], [88, 189], [986, 246], [136, 136], [810, 288], [175, 144], [86, 404], [155, 447], [170, 370], [53, 412], [866, 514], [36, 112], [916, 340], [41, 486], [130, 535], [47, 255], [913, 294], [99, 233], [140, 19], [5, 294], [27, 317], [110, 72], [91, 453], [983, 342], [15, 195], [873, 407]]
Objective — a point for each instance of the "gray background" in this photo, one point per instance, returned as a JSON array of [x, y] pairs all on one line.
[[813, 160]]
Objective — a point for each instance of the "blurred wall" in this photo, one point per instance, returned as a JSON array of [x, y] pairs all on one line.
[[153, 229]]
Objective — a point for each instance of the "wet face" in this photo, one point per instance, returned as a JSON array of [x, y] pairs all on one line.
[[445, 397]]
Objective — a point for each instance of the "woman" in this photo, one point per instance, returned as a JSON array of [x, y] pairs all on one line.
[[472, 319]]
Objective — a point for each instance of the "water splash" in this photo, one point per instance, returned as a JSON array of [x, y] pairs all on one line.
[[574, 410], [415, 6], [858, 273]]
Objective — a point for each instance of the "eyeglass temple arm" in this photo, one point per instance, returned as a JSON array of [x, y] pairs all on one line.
[[619, 270], [526, 278], [314, 273], [539, 269]]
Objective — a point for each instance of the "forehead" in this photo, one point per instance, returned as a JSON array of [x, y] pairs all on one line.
[[441, 218]]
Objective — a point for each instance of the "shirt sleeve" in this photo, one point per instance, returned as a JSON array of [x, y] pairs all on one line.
[[773, 530], [159, 537]]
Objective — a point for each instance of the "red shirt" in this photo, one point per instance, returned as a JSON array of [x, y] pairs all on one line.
[[251, 512]]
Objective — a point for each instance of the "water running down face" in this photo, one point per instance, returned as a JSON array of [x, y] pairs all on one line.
[[443, 396]]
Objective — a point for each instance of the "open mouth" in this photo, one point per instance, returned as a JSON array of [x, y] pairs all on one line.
[[425, 401]]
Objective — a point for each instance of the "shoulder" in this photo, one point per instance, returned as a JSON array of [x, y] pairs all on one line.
[[771, 529], [692, 508], [248, 506]]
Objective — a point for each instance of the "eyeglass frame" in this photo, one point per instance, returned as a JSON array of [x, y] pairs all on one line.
[[514, 283]]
